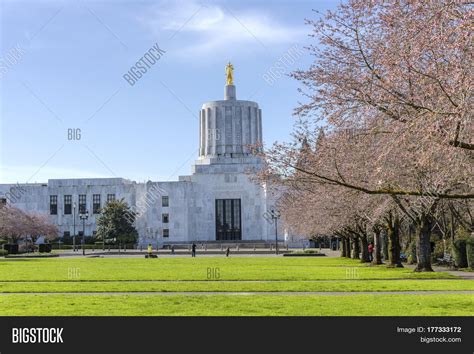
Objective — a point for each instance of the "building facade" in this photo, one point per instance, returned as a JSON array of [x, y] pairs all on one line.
[[217, 202]]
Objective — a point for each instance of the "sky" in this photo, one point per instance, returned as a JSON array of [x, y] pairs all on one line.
[[67, 111]]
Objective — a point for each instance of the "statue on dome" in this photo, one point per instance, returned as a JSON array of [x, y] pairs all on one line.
[[229, 71]]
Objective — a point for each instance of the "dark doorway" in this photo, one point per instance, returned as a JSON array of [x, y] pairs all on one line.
[[228, 219]]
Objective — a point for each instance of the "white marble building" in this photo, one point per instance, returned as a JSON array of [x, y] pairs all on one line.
[[217, 202]]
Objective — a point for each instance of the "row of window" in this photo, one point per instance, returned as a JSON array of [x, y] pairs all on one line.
[[68, 205], [96, 204]]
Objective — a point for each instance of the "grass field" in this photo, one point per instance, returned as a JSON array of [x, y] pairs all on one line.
[[237, 305], [261, 268], [236, 286], [343, 278]]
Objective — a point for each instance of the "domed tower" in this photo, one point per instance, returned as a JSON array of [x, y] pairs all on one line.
[[227, 127], [221, 200]]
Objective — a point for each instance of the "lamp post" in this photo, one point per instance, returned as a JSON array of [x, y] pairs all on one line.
[[84, 217], [275, 214], [74, 228]]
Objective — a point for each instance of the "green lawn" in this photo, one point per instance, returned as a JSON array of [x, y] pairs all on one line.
[[237, 305], [235, 286], [231, 275], [269, 268]]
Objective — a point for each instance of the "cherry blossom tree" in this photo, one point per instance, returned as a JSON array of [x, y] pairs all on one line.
[[12, 226], [390, 87], [18, 225]]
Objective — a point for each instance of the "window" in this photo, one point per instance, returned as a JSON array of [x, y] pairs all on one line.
[[96, 203], [66, 234], [82, 203], [165, 201], [67, 204], [165, 218], [110, 197], [53, 204], [166, 232]]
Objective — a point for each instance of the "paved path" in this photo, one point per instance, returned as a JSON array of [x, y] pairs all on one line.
[[177, 255], [458, 273], [211, 252], [166, 293], [464, 275]]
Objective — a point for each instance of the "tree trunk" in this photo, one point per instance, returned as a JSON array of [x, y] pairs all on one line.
[[347, 242], [377, 248], [364, 248], [384, 238], [355, 248], [409, 235], [394, 244], [453, 228], [343, 248], [423, 246]]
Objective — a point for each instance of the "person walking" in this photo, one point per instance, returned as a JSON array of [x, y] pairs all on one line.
[[150, 250], [193, 250], [227, 252], [370, 248]]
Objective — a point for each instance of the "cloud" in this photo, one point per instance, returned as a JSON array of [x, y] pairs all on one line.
[[204, 29]]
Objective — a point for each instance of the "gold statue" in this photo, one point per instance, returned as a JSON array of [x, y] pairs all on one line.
[[229, 71]]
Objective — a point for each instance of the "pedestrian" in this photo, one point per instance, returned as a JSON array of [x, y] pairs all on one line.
[[227, 252], [193, 252], [150, 250], [172, 249], [370, 248]]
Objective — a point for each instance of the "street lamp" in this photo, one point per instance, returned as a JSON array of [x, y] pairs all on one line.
[[84, 217], [275, 214], [74, 228]]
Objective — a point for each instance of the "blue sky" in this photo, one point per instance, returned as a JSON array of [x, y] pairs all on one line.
[[62, 67]]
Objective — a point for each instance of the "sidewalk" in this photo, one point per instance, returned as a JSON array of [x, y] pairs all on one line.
[[458, 273], [210, 252]]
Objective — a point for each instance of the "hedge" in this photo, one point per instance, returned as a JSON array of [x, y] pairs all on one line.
[[90, 246]]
